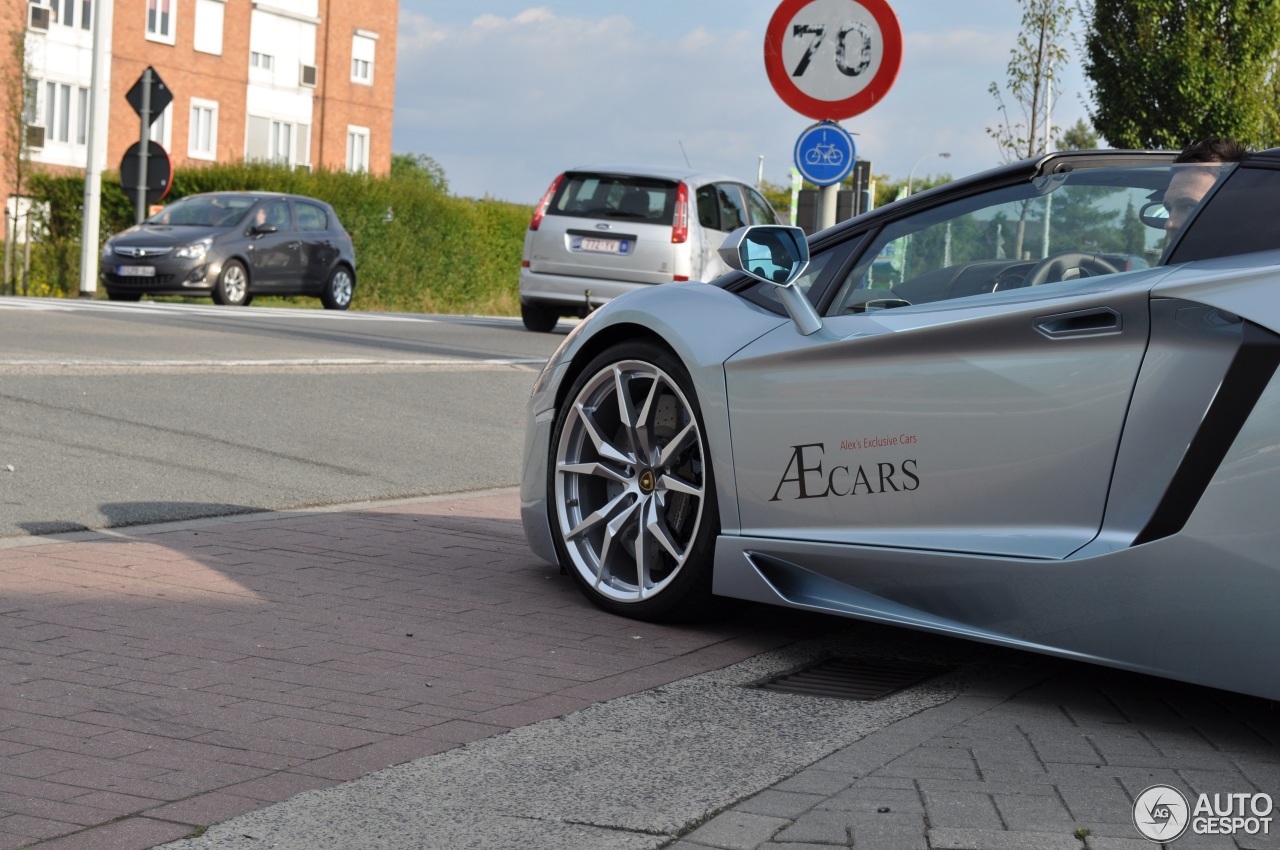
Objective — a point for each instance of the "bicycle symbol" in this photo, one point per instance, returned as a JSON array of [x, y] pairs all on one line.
[[827, 154]]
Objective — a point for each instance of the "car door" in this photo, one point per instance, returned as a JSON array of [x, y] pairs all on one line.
[[274, 254], [949, 407], [319, 250], [720, 211]]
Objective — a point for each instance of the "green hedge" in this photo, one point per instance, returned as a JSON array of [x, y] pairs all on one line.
[[438, 253]]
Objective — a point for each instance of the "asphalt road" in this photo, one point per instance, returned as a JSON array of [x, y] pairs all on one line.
[[120, 414]]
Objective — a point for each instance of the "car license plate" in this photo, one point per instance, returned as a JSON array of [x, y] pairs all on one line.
[[600, 246], [136, 271]]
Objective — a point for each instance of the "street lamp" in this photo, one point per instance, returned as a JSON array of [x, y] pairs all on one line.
[[912, 173]]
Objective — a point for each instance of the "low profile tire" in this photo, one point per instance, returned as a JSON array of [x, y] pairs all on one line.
[[538, 318], [232, 288], [338, 289], [630, 491], [123, 296]]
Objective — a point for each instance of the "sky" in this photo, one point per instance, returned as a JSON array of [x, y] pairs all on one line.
[[506, 94]]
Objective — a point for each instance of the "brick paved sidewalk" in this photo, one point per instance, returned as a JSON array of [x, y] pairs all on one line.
[[153, 682], [1043, 760]]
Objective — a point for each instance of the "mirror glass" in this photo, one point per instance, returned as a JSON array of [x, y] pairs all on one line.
[[1154, 215], [775, 254]]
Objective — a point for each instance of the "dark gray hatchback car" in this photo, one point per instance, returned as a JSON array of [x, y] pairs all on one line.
[[232, 246]]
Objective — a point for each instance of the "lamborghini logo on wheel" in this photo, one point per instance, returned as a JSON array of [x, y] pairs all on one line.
[[647, 481]]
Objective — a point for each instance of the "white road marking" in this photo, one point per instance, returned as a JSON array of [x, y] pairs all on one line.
[[250, 313]]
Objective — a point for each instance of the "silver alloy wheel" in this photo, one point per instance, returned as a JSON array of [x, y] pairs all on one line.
[[234, 284], [629, 482], [340, 288]]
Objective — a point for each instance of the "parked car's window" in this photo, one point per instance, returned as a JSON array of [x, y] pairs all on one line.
[[708, 207], [204, 211], [1240, 218], [276, 214], [732, 213], [615, 196], [996, 242], [758, 208], [311, 217]]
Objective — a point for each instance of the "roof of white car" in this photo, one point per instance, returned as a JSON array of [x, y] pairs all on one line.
[[660, 172]]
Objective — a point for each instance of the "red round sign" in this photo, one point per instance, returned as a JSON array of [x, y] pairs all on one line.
[[832, 59]]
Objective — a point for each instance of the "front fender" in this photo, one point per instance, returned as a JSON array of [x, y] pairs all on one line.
[[702, 325]]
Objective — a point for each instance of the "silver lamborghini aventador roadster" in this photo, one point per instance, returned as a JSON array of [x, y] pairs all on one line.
[[1022, 408]]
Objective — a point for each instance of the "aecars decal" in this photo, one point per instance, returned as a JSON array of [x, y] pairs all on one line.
[[805, 476]]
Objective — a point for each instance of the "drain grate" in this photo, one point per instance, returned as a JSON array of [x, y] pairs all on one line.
[[851, 678]]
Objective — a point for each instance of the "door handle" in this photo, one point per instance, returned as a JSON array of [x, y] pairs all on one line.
[[1099, 321]]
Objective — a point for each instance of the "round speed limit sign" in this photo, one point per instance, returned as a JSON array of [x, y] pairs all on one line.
[[832, 59]]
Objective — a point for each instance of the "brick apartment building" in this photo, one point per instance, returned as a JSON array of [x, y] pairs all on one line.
[[306, 83]]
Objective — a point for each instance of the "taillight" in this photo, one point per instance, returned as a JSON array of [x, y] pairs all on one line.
[[544, 203], [680, 230]]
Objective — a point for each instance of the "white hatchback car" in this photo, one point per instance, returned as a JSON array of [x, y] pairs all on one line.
[[602, 231]]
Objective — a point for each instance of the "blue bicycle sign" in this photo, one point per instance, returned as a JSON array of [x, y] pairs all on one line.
[[824, 154], [821, 154]]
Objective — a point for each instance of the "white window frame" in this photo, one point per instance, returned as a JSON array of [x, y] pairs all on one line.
[[65, 123], [210, 26], [363, 47], [157, 34], [79, 10], [194, 151], [281, 144], [357, 155]]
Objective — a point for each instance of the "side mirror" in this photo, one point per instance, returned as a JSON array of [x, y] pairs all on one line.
[[1154, 215], [263, 229], [768, 252], [777, 255]]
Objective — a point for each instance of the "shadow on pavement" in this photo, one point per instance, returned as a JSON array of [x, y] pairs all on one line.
[[156, 681]]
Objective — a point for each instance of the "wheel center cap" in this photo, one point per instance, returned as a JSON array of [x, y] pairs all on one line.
[[647, 481]]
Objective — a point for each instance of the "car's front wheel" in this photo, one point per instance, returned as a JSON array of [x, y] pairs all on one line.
[[632, 501], [338, 290], [232, 287], [537, 317]]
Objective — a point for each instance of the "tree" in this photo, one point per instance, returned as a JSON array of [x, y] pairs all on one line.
[[1078, 137], [18, 93], [888, 189], [1032, 71], [418, 166], [1166, 73]]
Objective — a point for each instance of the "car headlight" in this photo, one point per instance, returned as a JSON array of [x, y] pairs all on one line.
[[194, 251]]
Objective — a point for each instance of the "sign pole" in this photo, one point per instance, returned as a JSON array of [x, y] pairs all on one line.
[[828, 197], [99, 93], [140, 213]]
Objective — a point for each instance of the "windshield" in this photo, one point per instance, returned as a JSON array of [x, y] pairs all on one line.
[[205, 211]]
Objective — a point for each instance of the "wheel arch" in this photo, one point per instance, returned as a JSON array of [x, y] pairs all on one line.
[[244, 264], [351, 269], [606, 339], [702, 327]]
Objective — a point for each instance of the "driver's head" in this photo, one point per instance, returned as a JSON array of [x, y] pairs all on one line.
[[1201, 168], [1186, 188]]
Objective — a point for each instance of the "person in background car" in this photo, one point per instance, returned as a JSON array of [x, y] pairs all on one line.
[[1189, 185]]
